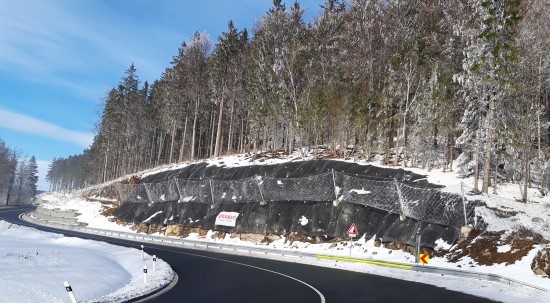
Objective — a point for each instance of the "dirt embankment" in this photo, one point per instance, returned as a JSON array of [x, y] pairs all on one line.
[[541, 263]]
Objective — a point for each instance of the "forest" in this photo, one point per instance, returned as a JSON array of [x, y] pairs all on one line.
[[423, 83], [18, 177]]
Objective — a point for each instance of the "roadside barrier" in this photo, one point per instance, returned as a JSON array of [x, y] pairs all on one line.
[[266, 251]]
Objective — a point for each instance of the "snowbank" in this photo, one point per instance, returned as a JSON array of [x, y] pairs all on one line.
[[35, 265]]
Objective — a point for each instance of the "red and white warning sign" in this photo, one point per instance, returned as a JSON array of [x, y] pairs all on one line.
[[226, 218], [352, 230]]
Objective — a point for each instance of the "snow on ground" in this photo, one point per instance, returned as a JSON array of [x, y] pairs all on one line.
[[534, 216], [35, 264]]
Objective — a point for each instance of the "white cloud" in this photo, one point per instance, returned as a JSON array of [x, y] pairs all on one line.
[[48, 42], [22, 123]]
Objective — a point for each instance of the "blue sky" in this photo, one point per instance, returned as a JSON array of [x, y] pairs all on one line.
[[58, 58]]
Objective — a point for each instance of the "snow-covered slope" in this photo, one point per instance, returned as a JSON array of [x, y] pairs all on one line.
[[34, 266]]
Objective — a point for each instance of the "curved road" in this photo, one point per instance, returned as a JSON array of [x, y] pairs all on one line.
[[212, 277]]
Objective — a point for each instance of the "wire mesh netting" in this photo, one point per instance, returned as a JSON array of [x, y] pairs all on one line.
[[163, 191], [194, 191], [138, 195], [378, 194], [313, 188], [431, 205], [236, 191], [124, 191], [323, 204]]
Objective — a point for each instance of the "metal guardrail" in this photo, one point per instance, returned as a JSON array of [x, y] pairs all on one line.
[[228, 247]]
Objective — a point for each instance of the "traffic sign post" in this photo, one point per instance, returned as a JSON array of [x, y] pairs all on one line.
[[352, 232], [418, 238]]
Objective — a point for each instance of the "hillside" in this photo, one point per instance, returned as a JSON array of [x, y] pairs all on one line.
[[502, 235]]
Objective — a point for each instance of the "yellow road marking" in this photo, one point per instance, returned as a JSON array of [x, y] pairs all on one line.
[[379, 263]]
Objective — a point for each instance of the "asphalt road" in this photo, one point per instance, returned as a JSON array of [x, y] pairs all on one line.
[[212, 277]]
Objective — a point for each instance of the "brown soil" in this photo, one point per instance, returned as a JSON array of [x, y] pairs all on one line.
[[541, 263], [482, 247], [148, 228], [108, 210], [296, 236], [132, 181]]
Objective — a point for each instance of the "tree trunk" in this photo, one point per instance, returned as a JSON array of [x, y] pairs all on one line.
[[488, 146], [212, 152], [105, 164], [495, 177], [194, 131], [161, 147], [231, 122], [217, 149], [172, 141], [526, 164], [477, 156], [182, 145]]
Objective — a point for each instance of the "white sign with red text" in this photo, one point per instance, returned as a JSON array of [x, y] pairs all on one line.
[[227, 218]]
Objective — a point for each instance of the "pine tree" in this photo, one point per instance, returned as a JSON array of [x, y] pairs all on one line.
[[32, 176]]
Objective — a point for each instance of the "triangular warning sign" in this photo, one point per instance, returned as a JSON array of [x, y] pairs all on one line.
[[352, 230]]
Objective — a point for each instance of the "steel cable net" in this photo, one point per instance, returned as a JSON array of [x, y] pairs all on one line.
[[378, 194], [237, 191], [317, 205], [124, 191], [313, 188], [138, 195], [163, 191], [431, 205], [194, 191]]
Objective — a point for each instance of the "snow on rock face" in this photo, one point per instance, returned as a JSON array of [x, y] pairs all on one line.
[[361, 191], [303, 220], [186, 199], [442, 245], [504, 248], [152, 216]]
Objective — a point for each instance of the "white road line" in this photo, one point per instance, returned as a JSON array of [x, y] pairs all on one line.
[[323, 300], [322, 297]]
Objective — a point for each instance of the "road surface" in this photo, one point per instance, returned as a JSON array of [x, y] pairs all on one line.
[[212, 277]]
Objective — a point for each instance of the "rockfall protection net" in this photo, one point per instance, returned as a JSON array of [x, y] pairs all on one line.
[[322, 205], [425, 204]]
